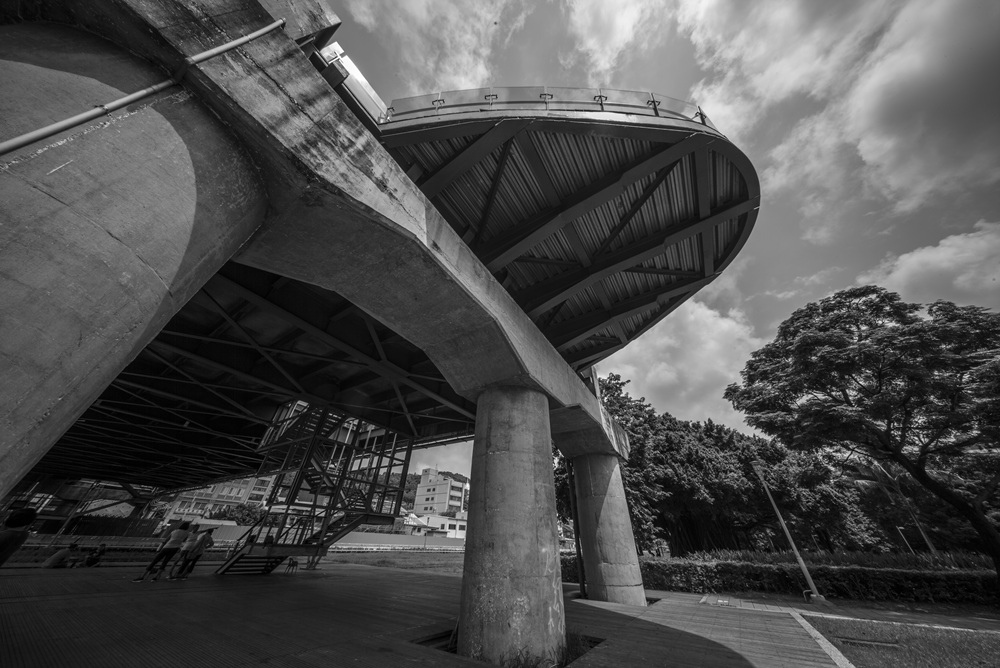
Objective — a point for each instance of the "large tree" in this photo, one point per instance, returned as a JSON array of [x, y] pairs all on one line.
[[863, 370], [692, 483]]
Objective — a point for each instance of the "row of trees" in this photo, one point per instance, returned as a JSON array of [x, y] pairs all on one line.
[[884, 420], [693, 484]]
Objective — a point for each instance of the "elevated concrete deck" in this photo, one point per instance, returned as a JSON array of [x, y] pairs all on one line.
[[344, 615]]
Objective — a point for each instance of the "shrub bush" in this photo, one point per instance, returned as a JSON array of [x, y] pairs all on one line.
[[849, 582], [921, 561]]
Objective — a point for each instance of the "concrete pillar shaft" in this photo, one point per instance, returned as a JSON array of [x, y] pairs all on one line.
[[607, 542], [512, 603]]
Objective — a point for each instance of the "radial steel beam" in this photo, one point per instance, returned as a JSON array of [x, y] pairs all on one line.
[[532, 232], [541, 297], [471, 156], [703, 187], [570, 332], [472, 235]]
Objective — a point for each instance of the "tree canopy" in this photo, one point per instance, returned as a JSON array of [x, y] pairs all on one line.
[[864, 372], [692, 484], [244, 514]]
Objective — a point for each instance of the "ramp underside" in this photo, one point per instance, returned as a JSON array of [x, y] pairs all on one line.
[[193, 406]]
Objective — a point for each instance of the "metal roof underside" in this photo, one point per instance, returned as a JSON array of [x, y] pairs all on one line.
[[599, 225]]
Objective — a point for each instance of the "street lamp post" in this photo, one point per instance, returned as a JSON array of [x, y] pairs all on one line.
[[900, 530], [798, 557]]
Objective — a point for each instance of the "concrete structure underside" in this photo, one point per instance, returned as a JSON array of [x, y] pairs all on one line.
[[245, 236]]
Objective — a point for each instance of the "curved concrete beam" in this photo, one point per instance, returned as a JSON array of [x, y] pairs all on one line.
[[343, 214]]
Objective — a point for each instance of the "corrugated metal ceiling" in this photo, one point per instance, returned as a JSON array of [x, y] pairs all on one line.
[[550, 166]]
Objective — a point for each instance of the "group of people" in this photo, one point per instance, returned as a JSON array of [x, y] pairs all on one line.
[[66, 557], [16, 529], [187, 542]]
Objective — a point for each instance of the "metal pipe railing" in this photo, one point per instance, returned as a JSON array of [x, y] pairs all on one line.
[[103, 109], [546, 98]]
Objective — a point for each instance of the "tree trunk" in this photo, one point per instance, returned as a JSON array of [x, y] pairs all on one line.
[[975, 515]]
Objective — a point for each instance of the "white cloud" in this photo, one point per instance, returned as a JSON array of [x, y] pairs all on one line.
[[442, 44], [815, 161], [923, 112], [456, 458], [724, 292], [763, 53], [963, 268], [683, 364], [804, 285], [605, 32], [889, 100]]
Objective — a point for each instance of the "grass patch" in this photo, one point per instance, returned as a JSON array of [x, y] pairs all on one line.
[[921, 561], [870, 644], [445, 563]]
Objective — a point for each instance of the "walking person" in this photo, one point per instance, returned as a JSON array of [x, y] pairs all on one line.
[[186, 547], [200, 544], [170, 546], [15, 531]]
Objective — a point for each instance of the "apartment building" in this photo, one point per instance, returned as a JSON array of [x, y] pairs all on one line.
[[438, 493], [198, 503]]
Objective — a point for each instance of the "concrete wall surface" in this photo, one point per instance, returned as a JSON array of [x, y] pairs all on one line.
[[107, 229]]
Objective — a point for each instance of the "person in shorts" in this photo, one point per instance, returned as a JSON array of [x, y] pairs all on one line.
[[171, 546]]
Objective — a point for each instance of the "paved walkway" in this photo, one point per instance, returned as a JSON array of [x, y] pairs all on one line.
[[345, 615], [983, 621]]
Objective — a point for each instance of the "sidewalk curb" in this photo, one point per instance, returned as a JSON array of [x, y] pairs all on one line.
[[827, 646]]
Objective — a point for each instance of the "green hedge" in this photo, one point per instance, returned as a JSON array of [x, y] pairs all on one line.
[[846, 582]]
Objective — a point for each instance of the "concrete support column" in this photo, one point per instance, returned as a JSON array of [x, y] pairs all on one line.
[[512, 603], [609, 554]]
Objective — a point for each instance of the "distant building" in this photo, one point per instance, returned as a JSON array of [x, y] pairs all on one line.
[[438, 493], [440, 525], [198, 503]]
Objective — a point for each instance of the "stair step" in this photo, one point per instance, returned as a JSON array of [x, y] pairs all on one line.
[[252, 565]]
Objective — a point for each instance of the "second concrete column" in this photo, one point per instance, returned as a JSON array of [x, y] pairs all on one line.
[[512, 602], [608, 544]]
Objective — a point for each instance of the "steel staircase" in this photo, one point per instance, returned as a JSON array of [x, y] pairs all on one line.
[[333, 475]]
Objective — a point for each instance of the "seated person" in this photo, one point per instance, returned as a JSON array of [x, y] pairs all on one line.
[[15, 531], [93, 557], [62, 558]]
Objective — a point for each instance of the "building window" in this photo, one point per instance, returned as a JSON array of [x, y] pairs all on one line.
[[461, 527], [451, 526]]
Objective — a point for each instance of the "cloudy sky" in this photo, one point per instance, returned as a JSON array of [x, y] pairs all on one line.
[[874, 126]]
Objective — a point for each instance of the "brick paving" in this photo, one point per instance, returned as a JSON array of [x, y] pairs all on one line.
[[344, 615]]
